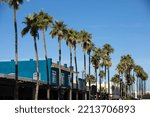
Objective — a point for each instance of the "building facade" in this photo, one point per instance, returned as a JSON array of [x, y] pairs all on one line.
[[27, 79]]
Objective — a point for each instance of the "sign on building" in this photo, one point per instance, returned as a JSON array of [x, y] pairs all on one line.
[[35, 76]]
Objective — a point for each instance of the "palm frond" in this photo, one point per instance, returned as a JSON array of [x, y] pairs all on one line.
[[25, 31]]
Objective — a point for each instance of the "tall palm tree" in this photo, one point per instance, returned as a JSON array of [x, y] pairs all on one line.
[[126, 64], [85, 39], [144, 78], [107, 50], [130, 83], [15, 5], [89, 50], [141, 76], [95, 62], [76, 40], [101, 76], [90, 79], [120, 70], [32, 27], [44, 21], [138, 70], [69, 41], [59, 30], [116, 80]]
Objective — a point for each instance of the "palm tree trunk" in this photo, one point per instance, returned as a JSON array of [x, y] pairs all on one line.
[[108, 83], [16, 56], [96, 84], [37, 70], [89, 63], [47, 71], [75, 59], [132, 91], [89, 90], [100, 82], [123, 85], [60, 79], [130, 86], [100, 88], [139, 87], [137, 84], [144, 86], [105, 80], [71, 87], [85, 75], [89, 75], [120, 88], [126, 86]]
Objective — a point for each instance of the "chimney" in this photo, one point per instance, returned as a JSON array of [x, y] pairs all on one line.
[[65, 65], [31, 59], [57, 62], [12, 60]]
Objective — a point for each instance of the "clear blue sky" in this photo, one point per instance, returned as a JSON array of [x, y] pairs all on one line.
[[125, 24]]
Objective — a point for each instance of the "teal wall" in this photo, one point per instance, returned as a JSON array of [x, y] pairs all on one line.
[[28, 67]]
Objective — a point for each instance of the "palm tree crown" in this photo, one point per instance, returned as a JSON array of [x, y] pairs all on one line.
[[58, 30], [70, 37], [96, 57], [13, 3], [44, 20], [85, 39], [116, 79], [31, 26], [90, 78]]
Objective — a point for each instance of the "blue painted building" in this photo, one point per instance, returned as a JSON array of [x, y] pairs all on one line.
[[27, 70]]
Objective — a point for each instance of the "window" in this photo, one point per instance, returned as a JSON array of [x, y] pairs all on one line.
[[63, 78], [54, 77]]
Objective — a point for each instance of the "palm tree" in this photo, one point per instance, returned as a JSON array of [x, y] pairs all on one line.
[[125, 66], [90, 48], [95, 62], [69, 41], [101, 75], [32, 27], [109, 64], [141, 76], [59, 30], [15, 5], [120, 70], [130, 83], [138, 70], [144, 78], [44, 20], [85, 39], [116, 80], [75, 42], [107, 50], [90, 79]]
